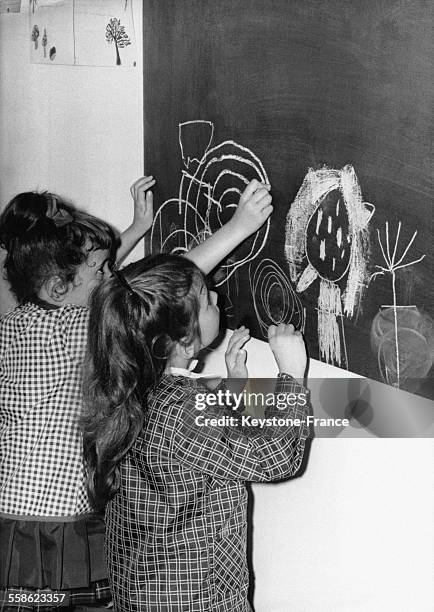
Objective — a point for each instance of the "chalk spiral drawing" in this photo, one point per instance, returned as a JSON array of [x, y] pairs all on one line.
[[209, 191], [402, 316], [274, 299], [327, 238]]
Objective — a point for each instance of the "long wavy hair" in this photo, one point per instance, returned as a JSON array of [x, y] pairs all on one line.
[[136, 317]]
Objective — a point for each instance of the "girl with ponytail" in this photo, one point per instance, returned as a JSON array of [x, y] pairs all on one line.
[[173, 481]]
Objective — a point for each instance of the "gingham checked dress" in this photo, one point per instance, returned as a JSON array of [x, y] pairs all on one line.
[[43, 501], [176, 529]]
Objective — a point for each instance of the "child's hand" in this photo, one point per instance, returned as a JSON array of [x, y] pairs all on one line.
[[235, 355], [288, 348], [254, 207], [143, 203]]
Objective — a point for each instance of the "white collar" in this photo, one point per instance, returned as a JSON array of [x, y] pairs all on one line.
[[187, 373]]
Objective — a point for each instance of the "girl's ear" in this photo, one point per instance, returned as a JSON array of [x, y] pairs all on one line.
[[56, 289]]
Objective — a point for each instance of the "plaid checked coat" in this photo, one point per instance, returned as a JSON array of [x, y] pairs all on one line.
[[41, 467], [176, 529]]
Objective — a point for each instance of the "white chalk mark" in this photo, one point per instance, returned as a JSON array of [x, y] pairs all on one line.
[[396, 242], [329, 224], [406, 250], [318, 221], [391, 266], [208, 196], [329, 309], [316, 186], [307, 277], [274, 299], [194, 126], [322, 253]]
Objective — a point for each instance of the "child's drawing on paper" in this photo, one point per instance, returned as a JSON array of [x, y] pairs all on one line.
[[402, 337], [54, 40], [96, 33], [104, 33], [44, 42], [35, 35], [10, 6], [115, 33], [327, 239]]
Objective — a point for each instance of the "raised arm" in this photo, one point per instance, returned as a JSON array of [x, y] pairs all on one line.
[[252, 211], [240, 450], [143, 216]]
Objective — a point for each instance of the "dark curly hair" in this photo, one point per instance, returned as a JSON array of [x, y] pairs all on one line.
[[135, 319], [40, 246]]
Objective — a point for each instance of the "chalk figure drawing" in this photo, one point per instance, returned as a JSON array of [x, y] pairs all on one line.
[[274, 299], [211, 183], [327, 239], [401, 336]]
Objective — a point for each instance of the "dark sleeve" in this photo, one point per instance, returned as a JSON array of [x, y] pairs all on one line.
[[239, 451]]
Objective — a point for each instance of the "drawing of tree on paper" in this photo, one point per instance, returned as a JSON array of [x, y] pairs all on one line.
[[83, 32], [35, 35], [44, 42], [115, 32]]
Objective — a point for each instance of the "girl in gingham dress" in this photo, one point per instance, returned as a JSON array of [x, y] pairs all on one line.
[[50, 537], [175, 487]]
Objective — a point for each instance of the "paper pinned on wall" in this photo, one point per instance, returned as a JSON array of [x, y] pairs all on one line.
[[10, 6], [51, 29], [83, 32]]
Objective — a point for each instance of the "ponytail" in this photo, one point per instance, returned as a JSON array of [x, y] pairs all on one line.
[[135, 319]]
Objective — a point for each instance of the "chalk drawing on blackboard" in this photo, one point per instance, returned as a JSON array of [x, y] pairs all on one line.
[[208, 197], [327, 238], [400, 335], [274, 299], [195, 138]]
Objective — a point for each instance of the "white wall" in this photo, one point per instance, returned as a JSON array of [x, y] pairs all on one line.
[[355, 533]]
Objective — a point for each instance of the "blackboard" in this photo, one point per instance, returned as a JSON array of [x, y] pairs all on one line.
[[300, 92]]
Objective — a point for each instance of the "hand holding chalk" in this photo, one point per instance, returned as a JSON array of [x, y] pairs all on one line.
[[288, 348], [254, 207]]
